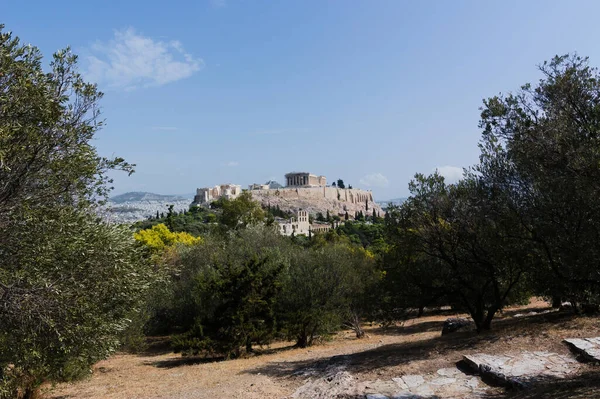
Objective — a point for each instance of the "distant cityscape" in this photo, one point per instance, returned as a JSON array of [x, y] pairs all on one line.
[[131, 207]]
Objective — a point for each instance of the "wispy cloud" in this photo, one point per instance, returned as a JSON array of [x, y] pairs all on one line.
[[164, 128], [375, 180], [130, 60], [218, 3], [231, 164], [451, 174]]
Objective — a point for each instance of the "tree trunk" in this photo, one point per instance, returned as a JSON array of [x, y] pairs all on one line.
[[354, 324], [302, 341], [556, 301], [30, 393], [479, 318], [421, 311], [487, 322]]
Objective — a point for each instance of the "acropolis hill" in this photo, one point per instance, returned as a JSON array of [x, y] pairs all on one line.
[[302, 191]]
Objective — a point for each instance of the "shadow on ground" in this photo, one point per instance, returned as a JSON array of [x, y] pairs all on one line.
[[409, 328], [450, 346], [583, 386], [183, 361], [180, 360]]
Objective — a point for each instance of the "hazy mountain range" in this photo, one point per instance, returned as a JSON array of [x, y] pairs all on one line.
[[144, 196]]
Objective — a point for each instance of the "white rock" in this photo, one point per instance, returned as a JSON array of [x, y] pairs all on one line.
[[400, 382], [442, 381], [413, 380], [449, 372]]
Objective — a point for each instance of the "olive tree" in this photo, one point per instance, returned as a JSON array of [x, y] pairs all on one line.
[[541, 146], [69, 282]]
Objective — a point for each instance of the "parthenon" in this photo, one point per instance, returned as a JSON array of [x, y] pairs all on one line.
[[304, 179]]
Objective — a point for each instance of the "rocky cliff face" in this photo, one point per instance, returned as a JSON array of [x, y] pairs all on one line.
[[337, 201]]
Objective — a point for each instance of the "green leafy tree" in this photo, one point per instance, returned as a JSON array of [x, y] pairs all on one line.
[[241, 212], [223, 292], [540, 145], [466, 230], [70, 283], [340, 183], [319, 291], [170, 215]]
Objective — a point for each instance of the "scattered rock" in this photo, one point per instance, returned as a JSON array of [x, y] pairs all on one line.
[[587, 348], [565, 306], [515, 371], [400, 382], [454, 324], [443, 381], [413, 380], [449, 372]]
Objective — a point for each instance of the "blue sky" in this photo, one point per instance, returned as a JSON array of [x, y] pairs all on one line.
[[199, 93]]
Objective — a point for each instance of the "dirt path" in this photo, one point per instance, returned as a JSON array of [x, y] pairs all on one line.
[[414, 348]]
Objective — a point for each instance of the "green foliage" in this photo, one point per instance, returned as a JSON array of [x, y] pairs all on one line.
[[223, 291], [540, 146], [244, 296], [369, 236], [69, 283], [340, 183], [323, 287], [241, 212], [197, 221], [278, 212], [461, 238]]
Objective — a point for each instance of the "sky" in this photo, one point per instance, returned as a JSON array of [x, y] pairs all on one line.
[[205, 92]]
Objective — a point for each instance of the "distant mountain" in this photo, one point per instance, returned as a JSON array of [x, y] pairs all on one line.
[[273, 184], [135, 196]]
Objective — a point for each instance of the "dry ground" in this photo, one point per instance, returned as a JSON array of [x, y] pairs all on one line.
[[413, 348]]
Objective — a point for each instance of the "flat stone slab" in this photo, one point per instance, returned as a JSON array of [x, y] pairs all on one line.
[[517, 370], [588, 348], [448, 383]]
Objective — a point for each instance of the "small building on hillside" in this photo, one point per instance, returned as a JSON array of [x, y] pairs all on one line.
[[301, 225]]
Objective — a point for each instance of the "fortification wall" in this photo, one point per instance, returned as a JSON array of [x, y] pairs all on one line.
[[351, 195], [319, 199]]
